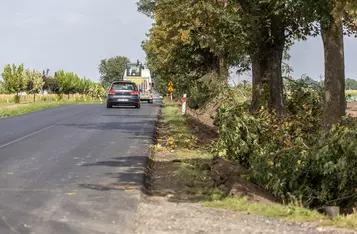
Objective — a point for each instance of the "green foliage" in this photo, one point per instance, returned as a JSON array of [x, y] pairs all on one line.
[[306, 93], [96, 90], [203, 90], [64, 81], [17, 80], [35, 81], [3, 90], [112, 69], [17, 99], [290, 157], [351, 84], [192, 43], [51, 84], [146, 7], [14, 79], [84, 86], [68, 83]]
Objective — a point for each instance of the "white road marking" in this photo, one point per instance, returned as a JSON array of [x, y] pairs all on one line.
[[43, 129], [27, 136]]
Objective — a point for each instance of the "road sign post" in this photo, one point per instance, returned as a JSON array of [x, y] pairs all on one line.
[[184, 100]]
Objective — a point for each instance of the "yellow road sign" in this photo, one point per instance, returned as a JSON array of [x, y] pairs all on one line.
[[170, 89], [170, 84]]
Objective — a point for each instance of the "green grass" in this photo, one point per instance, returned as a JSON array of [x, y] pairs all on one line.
[[349, 221], [173, 121], [287, 212], [37, 106], [292, 213], [174, 131]]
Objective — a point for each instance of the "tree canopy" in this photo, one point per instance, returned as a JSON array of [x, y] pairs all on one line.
[[194, 43], [35, 81], [351, 84], [112, 69], [14, 78]]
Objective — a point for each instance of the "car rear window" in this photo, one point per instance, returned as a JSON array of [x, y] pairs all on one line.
[[124, 86]]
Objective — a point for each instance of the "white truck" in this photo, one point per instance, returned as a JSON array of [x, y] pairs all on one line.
[[137, 73]]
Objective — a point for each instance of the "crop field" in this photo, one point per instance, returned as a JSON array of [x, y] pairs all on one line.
[[351, 95], [351, 92], [29, 98]]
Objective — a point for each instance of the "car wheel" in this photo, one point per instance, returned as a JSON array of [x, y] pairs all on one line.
[[109, 105], [137, 106]]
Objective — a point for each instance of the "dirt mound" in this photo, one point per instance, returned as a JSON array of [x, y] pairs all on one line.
[[205, 133], [206, 113], [229, 174]]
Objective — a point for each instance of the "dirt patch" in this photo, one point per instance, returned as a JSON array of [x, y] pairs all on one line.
[[206, 113], [13, 106], [204, 133], [230, 175], [161, 179]]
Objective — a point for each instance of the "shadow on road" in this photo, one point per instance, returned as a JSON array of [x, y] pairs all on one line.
[[154, 178], [131, 175], [139, 129], [130, 161]]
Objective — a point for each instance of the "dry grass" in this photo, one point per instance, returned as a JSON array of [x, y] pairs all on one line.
[[351, 92], [29, 98]]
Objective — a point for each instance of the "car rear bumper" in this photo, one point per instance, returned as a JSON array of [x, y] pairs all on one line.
[[123, 100]]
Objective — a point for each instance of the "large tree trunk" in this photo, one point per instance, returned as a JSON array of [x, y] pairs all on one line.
[[223, 70], [257, 81], [274, 61], [274, 75], [266, 70], [335, 101]]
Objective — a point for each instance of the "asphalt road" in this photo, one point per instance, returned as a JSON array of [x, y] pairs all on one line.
[[73, 169]]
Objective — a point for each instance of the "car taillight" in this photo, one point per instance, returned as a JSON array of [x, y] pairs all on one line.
[[112, 92], [134, 92]]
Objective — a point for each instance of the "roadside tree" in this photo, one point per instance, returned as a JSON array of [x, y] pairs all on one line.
[[112, 69], [14, 80], [35, 82]]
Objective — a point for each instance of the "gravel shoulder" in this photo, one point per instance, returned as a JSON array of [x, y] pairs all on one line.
[[157, 215]]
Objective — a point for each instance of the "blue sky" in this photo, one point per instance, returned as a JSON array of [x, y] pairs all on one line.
[[75, 35]]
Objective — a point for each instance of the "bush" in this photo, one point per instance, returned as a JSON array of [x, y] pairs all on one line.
[[17, 99], [59, 97], [290, 157], [302, 93]]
